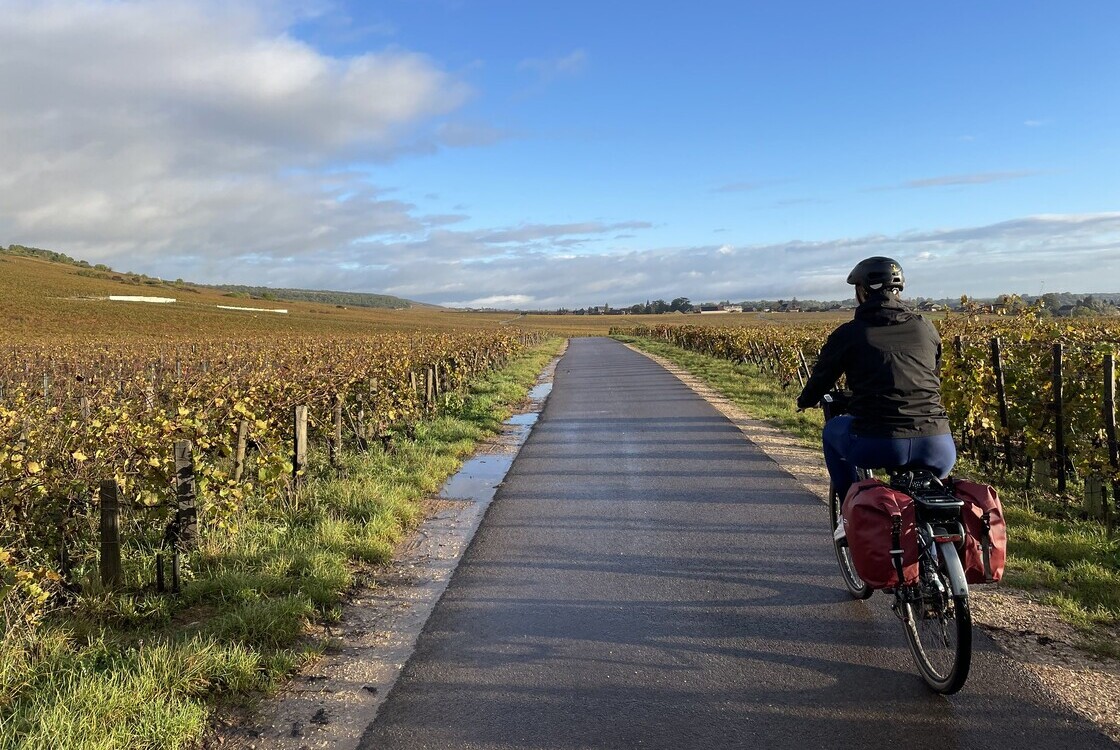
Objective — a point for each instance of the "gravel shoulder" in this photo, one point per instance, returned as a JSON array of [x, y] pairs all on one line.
[[1030, 631]]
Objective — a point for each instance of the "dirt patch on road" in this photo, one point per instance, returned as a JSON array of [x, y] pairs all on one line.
[[1032, 632]]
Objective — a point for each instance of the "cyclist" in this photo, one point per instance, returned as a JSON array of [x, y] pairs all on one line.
[[890, 356]]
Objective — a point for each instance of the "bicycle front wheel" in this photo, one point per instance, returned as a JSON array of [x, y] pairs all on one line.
[[939, 630], [855, 584]]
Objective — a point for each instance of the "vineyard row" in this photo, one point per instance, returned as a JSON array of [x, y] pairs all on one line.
[[1025, 396], [157, 445]]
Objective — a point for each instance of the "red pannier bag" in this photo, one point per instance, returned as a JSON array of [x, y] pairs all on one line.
[[869, 509], [985, 542]]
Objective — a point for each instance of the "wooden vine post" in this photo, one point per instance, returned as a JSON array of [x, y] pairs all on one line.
[[804, 364], [429, 387], [242, 446], [1059, 417], [1001, 395], [1110, 433], [299, 449], [362, 437], [110, 559], [800, 363], [186, 497], [183, 533], [336, 430]]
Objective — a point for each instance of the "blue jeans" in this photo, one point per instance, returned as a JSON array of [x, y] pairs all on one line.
[[844, 451]]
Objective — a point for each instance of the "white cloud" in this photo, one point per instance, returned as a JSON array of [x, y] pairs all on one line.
[[977, 178], [498, 300], [532, 266], [142, 132], [543, 72], [573, 63], [470, 134], [1074, 252]]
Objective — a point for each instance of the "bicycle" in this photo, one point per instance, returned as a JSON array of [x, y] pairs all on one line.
[[934, 611]]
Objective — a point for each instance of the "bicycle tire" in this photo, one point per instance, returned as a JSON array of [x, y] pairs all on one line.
[[939, 632], [856, 586]]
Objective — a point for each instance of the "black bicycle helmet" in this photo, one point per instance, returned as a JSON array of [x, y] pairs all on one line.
[[877, 274]]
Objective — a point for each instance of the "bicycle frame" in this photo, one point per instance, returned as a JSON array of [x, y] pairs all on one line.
[[939, 533], [938, 622]]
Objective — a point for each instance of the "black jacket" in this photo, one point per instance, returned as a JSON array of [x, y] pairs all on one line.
[[890, 356]]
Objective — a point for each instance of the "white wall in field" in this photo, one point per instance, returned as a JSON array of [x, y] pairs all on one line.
[[252, 309], [138, 298]]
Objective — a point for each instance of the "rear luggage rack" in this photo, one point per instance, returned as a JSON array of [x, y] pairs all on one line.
[[939, 511], [918, 482]]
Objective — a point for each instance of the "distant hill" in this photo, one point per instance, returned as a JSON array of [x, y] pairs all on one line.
[[348, 299], [54, 257]]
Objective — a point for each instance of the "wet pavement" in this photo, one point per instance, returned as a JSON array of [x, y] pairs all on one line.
[[646, 577]]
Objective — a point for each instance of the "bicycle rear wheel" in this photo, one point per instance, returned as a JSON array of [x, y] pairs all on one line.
[[855, 584], [939, 630]]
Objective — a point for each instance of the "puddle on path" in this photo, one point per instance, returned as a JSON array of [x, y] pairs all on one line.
[[331, 707], [478, 479], [540, 391], [523, 420]]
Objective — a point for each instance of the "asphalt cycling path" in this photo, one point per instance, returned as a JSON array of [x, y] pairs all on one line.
[[648, 578]]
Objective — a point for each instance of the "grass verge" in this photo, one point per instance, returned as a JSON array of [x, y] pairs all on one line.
[[143, 670], [1053, 554]]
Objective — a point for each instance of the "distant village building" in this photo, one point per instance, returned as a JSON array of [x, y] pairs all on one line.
[[712, 308]]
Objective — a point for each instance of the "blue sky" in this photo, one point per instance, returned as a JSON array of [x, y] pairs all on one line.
[[511, 154]]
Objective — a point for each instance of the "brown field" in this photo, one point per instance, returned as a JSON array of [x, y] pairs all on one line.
[[44, 300]]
